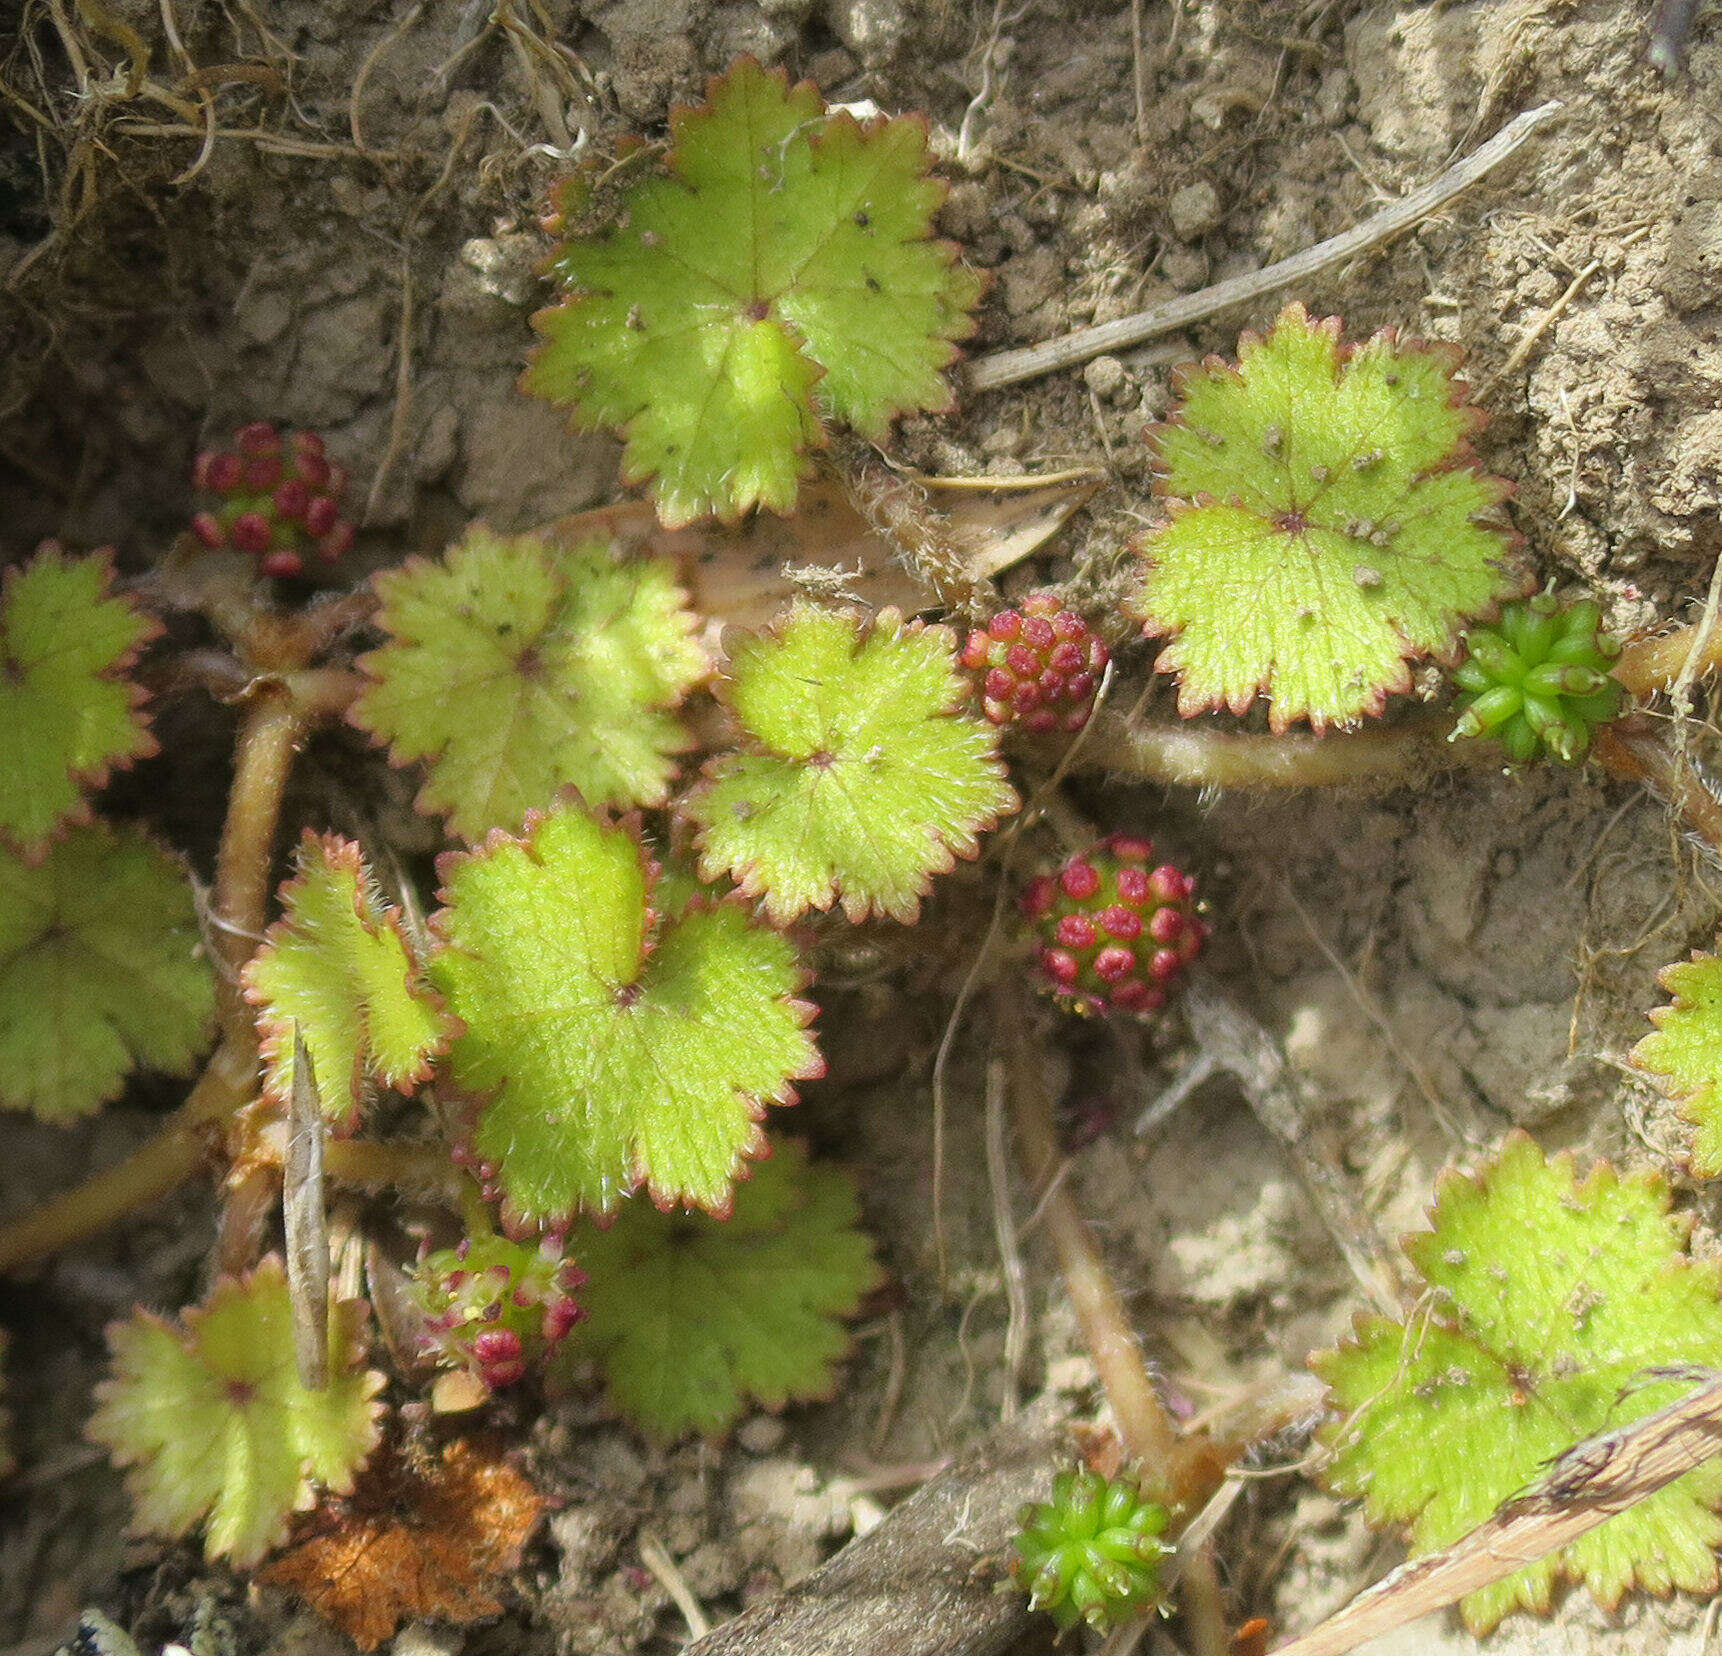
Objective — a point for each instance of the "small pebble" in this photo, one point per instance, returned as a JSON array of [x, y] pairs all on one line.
[[1185, 268], [761, 1435], [1106, 378], [1194, 210]]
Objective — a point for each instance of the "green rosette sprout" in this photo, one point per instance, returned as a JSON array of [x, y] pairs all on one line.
[[1093, 1552], [1538, 680]]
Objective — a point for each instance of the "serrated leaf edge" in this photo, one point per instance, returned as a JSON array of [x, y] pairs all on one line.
[[275, 1035], [950, 250], [1462, 457], [372, 674], [748, 882], [352, 1314], [470, 1105], [753, 1401], [148, 746], [1684, 1098], [118, 829], [1601, 1176]]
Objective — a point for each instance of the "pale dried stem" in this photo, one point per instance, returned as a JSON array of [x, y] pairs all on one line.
[[1002, 368], [1200, 756], [1651, 665], [271, 733], [1633, 751], [1147, 1432]]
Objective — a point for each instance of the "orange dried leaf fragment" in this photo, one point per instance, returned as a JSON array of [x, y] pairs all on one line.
[[417, 1540]]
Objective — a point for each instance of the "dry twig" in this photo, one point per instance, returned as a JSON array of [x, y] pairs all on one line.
[[1002, 368]]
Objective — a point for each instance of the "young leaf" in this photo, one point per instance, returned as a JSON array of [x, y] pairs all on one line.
[[68, 712], [1325, 524], [1515, 1354], [1686, 1053], [779, 272], [691, 1318], [864, 774], [421, 1539], [518, 665], [616, 1047], [213, 1422], [100, 971], [335, 964]]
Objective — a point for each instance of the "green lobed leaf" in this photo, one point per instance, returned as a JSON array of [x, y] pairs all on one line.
[[100, 971], [213, 1422], [780, 271], [1325, 524], [67, 712], [337, 966], [616, 1048], [1685, 1052], [518, 665], [1518, 1353], [863, 775], [693, 1318]]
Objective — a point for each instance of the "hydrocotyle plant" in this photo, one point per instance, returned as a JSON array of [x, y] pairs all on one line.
[[1323, 524], [215, 1423], [70, 713], [778, 273], [517, 665], [692, 1319], [614, 1045], [1510, 1357]]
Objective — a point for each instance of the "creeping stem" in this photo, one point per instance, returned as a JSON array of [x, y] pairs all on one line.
[[279, 710]]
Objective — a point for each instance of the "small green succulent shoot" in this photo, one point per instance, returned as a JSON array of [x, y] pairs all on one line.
[[609, 1044], [1512, 1355], [101, 970], [1685, 1053], [777, 274], [517, 665], [861, 771], [692, 1319], [1537, 681], [1094, 1552], [70, 712], [1324, 524], [215, 1425], [337, 967]]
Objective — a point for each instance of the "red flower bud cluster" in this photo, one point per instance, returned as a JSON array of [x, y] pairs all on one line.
[[496, 1308], [278, 499], [1115, 933], [1039, 666]]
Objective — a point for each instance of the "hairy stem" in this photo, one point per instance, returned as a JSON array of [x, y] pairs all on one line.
[[269, 736], [274, 724], [1148, 1433], [1199, 756]]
